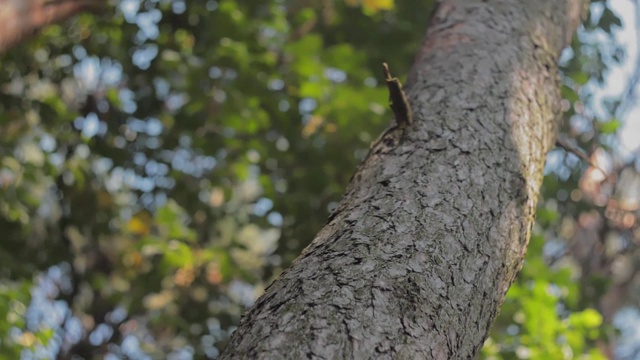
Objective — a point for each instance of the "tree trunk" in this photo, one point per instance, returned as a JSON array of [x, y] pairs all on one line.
[[20, 19], [433, 227]]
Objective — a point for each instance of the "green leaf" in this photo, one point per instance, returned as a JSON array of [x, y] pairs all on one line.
[[588, 318], [178, 254], [580, 77], [610, 127]]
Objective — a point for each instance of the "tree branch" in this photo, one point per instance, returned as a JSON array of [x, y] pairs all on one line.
[[20, 19]]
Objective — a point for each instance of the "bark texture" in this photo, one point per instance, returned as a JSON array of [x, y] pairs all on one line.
[[434, 226], [20, 19]]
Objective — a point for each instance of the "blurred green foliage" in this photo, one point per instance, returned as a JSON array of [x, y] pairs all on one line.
[[161, 162]]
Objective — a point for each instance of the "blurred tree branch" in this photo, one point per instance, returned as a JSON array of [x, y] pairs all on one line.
[[20, 19]]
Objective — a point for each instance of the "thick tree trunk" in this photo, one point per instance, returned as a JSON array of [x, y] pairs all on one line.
[[433, 228], [20, 19]]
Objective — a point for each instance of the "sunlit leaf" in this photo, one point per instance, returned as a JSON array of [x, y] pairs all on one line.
[[610, 126]]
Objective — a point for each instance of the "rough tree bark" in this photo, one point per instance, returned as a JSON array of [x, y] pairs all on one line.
[[434, 226], [20, 19]]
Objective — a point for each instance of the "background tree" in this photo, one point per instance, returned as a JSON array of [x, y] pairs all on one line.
[[163, 161]]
